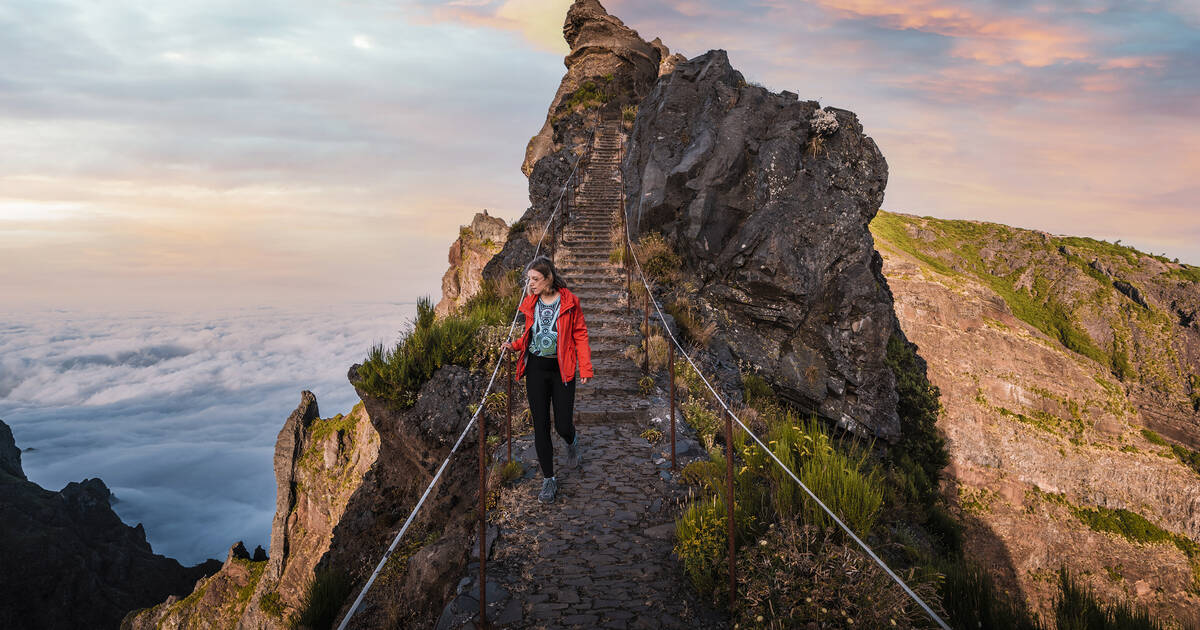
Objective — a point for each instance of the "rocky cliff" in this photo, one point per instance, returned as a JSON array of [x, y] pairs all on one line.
[[477, 242], [1067, 368], [767, 199], [319, 467], [69, 561]]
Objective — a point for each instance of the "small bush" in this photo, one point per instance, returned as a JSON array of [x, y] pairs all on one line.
[[692, 328], [511, 471], [702, 542], [629, 114], [272, 604], [652, 435], [516, 228], [588, 95], [646, 385], [323, 598], [659, 261], [705, 421]]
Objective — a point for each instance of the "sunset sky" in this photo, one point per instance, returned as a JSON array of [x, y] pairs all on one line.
[[175, 155]]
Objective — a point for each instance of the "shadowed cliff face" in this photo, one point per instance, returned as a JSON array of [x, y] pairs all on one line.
[[767, 199], [1018, 330], [69, 561]]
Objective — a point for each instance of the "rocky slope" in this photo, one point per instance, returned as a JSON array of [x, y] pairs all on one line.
[[69, 561], [1053, 354], [767, 198], [319, 467]]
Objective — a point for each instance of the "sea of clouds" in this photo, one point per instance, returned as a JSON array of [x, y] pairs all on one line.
[[178, 412]]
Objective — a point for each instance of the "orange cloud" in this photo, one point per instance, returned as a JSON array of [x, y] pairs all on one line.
[[987, 38], [538, 21]]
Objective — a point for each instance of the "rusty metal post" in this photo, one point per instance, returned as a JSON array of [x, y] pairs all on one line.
[[483, 622], [646, 333], [671, 376], [508, 406], [729, 506]]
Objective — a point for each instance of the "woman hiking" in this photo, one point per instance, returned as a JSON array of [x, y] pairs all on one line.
[[555, 340]]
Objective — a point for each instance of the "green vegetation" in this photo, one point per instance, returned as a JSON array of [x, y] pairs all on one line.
[[272, 604], [652, 435], [629, 113], [516, 228], [646, 385], [510, 471], [256, 571], [1187, 456], [972, 601], [916, 463], [1077, 608], [1154, 438], [659, 261], [397, 374], [589, 95], [955, 251], [323, 598], [690, 325]]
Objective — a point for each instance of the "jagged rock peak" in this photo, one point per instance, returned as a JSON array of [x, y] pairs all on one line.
[[10, 455], [237, 552], [609, 67], [289, 446]]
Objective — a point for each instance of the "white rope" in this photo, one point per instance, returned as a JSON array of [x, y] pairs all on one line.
[[765, 448], [412, 515]]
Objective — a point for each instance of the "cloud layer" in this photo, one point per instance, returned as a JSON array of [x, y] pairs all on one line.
[[178, 413]]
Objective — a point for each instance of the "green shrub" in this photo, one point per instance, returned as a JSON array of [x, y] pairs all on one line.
[[629, 113], [702, 543], [757, 391], [917, 461], [510, 471], [323, 598], [1154, 438], [704, 420], [658, 260], [516, 228], [396, 374], [1077, 608], [588, 95], [272, 604]]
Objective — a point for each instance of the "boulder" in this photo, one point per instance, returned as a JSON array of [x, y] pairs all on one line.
[[767, 199]]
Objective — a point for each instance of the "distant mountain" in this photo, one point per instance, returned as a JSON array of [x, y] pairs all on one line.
[[69, 561]]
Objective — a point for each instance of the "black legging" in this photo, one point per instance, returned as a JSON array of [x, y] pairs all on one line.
[[543, 384]]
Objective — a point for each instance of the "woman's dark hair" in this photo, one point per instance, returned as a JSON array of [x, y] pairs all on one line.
[[545, 266]]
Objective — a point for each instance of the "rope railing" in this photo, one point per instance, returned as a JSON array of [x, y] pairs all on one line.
[[729, 442], [512, 325]]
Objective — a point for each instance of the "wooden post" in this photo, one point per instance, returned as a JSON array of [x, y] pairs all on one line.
[[508, 406], [729, 507], [646, 333], [483, 622], [671, 376]]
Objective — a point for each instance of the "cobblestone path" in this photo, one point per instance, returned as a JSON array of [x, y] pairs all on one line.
[[600, 556]]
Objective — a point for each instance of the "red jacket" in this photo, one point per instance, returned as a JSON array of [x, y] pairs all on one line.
[[572, 337]]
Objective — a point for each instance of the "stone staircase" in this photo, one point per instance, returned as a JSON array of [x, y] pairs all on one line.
[[582, 258], [601, 555]]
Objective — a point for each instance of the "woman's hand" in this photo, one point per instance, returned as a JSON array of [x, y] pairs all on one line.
[[583, 380]]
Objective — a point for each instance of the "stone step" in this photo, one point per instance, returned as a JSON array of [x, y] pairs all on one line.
[[623, 411]]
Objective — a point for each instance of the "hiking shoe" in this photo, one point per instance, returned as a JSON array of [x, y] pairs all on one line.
[[549, 489], [573, 453]]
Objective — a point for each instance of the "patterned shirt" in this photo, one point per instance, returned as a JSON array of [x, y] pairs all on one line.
[[545, 337]]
